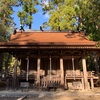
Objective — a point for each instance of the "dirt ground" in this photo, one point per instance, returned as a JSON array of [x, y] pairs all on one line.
[[60, 95], [69, 95], [67, 98], [58, 98]]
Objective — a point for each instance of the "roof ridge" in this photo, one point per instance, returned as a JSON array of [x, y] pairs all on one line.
[[30, 30]]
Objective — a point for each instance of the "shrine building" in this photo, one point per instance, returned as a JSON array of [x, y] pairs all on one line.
[[52, 57]]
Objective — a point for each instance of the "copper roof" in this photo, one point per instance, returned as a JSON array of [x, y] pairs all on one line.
[[49, 38]]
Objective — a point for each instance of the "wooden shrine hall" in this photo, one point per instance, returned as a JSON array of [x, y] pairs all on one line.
[[52, 59]]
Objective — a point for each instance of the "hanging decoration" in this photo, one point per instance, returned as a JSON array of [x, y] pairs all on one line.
[[73, 68], [50, 69], [27, 73]]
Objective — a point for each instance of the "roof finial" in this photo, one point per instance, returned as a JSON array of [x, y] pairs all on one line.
[[21, 28], [41, 28], [15, 31], [59, 28]]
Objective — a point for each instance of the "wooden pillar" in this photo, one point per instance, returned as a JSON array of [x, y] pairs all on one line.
[[15, 74], [38, 72], [85, 73], [92, 84], [62, 71], [91, 81], [82, 80]]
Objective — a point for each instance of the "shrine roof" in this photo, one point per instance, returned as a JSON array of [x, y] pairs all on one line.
[[49, 38]]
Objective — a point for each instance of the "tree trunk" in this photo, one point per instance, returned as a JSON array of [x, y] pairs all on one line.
[[30, 26]]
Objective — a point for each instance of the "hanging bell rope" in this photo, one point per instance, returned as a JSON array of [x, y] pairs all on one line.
[[73, 68], [27, 68]]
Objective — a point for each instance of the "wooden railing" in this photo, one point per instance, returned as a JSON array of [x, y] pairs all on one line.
[[47, 83], [77, 78], [77, 74]]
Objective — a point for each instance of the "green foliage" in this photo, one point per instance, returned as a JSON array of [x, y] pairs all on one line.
[[6, 20], [63, 13], [90, 63], [88, 12], [6, 11], [63, 16], [5, 61], [23, 16], [28, 9], [4, 32]]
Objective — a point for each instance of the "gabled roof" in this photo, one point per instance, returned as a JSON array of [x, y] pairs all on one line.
[[47, 38], [34, 38]]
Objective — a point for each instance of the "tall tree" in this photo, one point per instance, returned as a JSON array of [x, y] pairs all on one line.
[[76, 14], [28, 9], [62, 14], [6, 21], [89, 17]]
